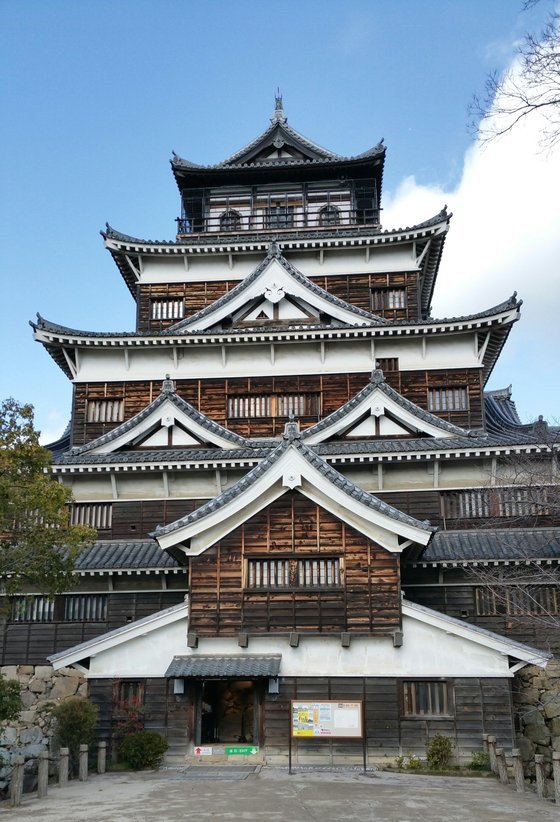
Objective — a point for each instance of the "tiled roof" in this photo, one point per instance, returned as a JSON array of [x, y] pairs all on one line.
[[377, 381], [47, 325], [227, 666], [274, 253], [167, 455], [292, 438], [112, 555], [167, 393], [493, 544]]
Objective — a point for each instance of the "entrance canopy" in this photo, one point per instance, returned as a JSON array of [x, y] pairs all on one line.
[[224, 666]]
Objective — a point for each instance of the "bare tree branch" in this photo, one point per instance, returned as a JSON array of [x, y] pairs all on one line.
[[531, 85]]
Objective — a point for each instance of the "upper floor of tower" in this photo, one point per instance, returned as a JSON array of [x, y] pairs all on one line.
[[280, 182]]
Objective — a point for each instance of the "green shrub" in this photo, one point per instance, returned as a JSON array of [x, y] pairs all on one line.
[[480, 761], [10, 699], [75, 723], [143, 749], [438, 750], [414, 763]]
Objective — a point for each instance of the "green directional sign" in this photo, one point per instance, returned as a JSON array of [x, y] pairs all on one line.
[[241, 750]]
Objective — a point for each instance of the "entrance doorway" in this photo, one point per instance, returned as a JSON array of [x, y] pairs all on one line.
[[228, 712]]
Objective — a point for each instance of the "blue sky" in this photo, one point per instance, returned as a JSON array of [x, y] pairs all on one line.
[[97, 95]]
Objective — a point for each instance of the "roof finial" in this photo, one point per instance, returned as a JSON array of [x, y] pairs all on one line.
[[291, 430], [278, 116], [167, 386]]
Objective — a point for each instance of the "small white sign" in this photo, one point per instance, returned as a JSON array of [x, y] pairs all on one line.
[[205, 750]]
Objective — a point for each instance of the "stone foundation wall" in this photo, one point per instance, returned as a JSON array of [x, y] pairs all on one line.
[[32, 733], [536, 696]]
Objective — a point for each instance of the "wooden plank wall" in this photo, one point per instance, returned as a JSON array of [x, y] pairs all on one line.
[[353, 288], [479, 706], [368, 601], [29, 643], [210, 397], [137, 519]]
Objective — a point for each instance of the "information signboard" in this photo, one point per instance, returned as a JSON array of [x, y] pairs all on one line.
[[328, 719]]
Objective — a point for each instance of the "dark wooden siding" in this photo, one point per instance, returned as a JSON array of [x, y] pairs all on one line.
[[352, 288], [211, 397], [30, 643], [367, 602]]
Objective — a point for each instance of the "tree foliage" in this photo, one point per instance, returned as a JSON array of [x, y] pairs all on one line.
[[36, 540], [10, 699], [76, 719], [530, 86]]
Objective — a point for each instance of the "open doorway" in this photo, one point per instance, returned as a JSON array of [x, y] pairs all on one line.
[[227, 712]]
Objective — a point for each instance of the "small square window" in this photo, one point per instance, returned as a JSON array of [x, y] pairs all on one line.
[[426, 698]]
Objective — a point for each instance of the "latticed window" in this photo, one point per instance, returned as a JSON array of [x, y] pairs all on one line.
[[425, 698], [388, 363], [294, 573], [167, 309], [280, 216], [448, 398], [96, 515], [499, 502], [85, 608], [517, 600], [32, 609], [230, 220], [274, 405], [329, 215], [386, 299], [106, 410]]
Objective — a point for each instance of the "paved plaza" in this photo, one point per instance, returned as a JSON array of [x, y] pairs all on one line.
[[273, 795]]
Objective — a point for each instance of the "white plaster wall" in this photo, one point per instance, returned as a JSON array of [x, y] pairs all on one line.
[[426, 652], [257, 359], [214, 267]]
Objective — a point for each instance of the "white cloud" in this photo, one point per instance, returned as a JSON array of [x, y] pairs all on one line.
[[504, 237], [54, 428]]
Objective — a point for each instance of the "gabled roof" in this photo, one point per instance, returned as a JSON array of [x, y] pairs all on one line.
[[507, 647], [379, 399], [133, 630], [273, 280], [165, 411], [277, 144], [293, 465]]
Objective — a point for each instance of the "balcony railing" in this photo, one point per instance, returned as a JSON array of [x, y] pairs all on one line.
[[282, 219]]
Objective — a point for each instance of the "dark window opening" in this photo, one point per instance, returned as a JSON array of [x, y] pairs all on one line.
[[426, 698], [294, 573]]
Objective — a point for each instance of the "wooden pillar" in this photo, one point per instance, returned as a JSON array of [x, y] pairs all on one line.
[[518, 770], [485, 743], [556, 772], [43, 774], [83, 768], [16, 787], [491, 741], [501, 764], [63, 767], [539, 773], [102, 757]]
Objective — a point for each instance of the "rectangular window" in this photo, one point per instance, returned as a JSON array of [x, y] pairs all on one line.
[[85, 608], [273, 405], [32, 609], [167, 309], [280, 216], [388, 364], [517, 600], [107, 410], [294, 573], [97, 515], [425, 699], [128, 703], [498, 502], [388, 299], [534, 599], [448, 398]]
